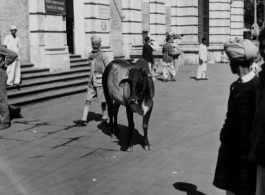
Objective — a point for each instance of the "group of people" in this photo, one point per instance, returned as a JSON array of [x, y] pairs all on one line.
[[169, 51], [240, 168]]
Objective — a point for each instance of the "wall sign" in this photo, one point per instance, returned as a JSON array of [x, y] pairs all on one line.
[[55, 7], [103, 12], [103, 25]]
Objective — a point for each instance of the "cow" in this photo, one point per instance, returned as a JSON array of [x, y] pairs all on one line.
[[133, 87]]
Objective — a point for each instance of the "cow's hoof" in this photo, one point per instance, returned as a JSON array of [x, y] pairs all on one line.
[[147, 147], [129, 149]]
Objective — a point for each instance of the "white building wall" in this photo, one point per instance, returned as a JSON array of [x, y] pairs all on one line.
[[237, 18]]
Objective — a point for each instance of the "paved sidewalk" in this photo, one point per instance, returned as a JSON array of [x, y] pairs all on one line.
[[45, 154]]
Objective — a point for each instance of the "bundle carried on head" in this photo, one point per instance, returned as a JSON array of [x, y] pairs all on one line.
[[240, 50]]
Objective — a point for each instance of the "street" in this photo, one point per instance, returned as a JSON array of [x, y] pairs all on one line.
[[44, 153]]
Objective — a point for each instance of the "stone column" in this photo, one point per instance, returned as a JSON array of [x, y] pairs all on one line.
[[219, 23], [79, 29], [157, 20], [184, 19], [97, 15], [131, 26], [237, 19], [48, 45]]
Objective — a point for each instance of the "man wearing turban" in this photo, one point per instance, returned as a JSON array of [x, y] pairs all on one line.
[[13, 43], [257, 152], [98, 61], [234, 173]]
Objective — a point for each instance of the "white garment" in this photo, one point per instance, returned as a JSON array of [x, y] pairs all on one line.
[[169, 71], [203, 53], [202, 70], [155, 46], [13, 70]]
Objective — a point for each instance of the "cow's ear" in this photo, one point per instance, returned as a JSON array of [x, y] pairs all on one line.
[[123, 81]]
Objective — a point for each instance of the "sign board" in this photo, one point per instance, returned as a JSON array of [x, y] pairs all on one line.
[[55, 7], [103, 25], [103, 12]]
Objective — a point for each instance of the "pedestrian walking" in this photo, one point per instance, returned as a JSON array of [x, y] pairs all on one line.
[[203, 59], [148, 54], [98, 61], [234, 173], [7, 57], [257, 152], [169, 72], [13, 71]]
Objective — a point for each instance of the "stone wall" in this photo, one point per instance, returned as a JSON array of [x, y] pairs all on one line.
[[16, 12], [116, 27]]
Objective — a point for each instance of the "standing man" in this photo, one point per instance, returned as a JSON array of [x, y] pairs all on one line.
[[168, 66], [7, 57], [203, 59], [257, 152], [12, 42], [98, 61], [148, 53]]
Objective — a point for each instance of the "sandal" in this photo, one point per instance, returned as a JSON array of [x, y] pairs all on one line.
[[80, 122]]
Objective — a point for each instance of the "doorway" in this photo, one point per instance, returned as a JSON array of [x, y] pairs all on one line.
[[69, 6], [203, 20]]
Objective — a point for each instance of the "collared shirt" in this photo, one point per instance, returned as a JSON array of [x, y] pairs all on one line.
[[247, 77]]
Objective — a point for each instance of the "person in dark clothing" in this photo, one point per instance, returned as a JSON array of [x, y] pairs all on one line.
[[234, 173], [148, 53], [257, 152], [7, 57]]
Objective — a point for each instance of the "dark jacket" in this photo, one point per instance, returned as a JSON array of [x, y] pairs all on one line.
[[233, 170], [168, 53], [7, 56], [257, 152], [148, 53]]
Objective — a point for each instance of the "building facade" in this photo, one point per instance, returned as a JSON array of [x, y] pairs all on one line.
[[49, 38]]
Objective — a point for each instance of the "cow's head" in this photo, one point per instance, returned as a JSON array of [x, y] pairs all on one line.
[[137, 80]]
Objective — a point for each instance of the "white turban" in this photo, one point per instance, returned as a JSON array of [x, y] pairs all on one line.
[[241, 49], [13, 27], [96, 39]]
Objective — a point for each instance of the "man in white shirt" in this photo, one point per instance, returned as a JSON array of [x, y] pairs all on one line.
[[203, 59]]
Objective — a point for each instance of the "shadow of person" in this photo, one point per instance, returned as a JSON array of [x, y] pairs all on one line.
[[137, 138], [92, 116], [193, 78], [191, 189]]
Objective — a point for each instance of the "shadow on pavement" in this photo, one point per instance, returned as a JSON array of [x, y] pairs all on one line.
[[92, 116], [138, 139], [193, 78], [191, 189]]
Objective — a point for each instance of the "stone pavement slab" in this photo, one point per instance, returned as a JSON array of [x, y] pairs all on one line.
[[45, 153]]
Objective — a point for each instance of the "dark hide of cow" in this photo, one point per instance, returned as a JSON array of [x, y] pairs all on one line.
[[132, 87]]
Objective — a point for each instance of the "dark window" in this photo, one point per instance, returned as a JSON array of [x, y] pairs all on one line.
[[203, 20]]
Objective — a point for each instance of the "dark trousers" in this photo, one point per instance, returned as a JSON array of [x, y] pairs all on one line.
[[4, 112]]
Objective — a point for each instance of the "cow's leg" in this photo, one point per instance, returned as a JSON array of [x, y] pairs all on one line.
[[110, 113], [115, 113], [131, 128], [145, 128]]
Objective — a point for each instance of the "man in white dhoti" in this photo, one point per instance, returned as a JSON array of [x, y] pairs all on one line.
[[203, 59], [12, 42]]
